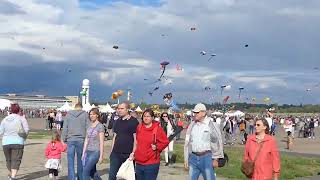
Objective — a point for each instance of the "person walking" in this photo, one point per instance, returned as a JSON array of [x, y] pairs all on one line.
[[261, 148], [53, 154], [169, 127], [124, 139], [14, 130], [151, 140], [203, 145], [73, 134], [93, 146]]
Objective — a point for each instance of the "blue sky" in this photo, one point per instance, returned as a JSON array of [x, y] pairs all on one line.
[[48, 47], [133, 2]]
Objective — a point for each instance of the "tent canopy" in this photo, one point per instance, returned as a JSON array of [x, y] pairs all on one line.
[[4, 103], [65, 107], [138, 109], [107, 109], [87, 107]]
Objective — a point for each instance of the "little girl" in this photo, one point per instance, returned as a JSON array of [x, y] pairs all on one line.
[[53, 155]]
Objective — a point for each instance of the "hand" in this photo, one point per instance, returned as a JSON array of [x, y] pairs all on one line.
[[215, 163], [154, 147], [100, 160], [186, 165], [131, 157]]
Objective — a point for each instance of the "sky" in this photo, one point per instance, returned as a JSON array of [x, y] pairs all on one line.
[[48, 47]]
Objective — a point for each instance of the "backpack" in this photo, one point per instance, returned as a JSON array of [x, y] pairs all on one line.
[[242, 126]]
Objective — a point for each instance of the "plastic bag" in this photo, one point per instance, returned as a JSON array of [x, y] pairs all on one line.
[[126, 171]]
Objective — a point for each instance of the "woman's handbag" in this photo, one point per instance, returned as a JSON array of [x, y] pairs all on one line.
[[126, 171], [22, 133], [247, 167]]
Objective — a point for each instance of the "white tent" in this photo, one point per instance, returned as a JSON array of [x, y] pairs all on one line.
[[65, 107], [138, 109], [87, 107], [107, 109], [238, 113], [4, 103], [217, 113]]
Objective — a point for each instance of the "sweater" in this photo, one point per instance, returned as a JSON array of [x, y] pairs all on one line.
[[9, 128], [268, 161], [75, 125], [54, 150], [144, 155]]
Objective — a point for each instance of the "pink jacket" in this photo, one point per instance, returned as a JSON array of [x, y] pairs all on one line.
[[54, 150], [267, 164]]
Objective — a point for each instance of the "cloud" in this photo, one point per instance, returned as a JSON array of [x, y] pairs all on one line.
[[51, 36]]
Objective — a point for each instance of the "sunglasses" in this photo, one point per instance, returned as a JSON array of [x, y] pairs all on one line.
[[164, 116], [196, 112]]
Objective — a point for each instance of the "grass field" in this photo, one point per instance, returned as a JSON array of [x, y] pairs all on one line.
[[291, 167]]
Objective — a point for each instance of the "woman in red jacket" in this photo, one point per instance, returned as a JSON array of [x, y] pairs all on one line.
[[151, 140], [267, 164]]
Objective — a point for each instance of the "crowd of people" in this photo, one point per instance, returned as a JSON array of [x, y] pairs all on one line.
[[142, 137]]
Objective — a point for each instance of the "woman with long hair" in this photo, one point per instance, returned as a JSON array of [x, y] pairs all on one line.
[[93, 146], [151, 140], [261, 148], [14, 129], [168, 126]]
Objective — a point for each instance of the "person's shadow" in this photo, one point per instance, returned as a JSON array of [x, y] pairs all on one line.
[[44, 173]]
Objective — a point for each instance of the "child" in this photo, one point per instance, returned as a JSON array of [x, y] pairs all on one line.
[[53, 155]]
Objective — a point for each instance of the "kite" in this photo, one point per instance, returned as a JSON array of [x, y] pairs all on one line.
[[168, 100], [179, 67], [225, 100], [150, 93], [266, 99], [156, 88], [163, 67], [203, 53], [116, 94], [308, 90], [212, 55], [193, 29], [240, 89], [115, 47], [246, 45], [207, 88]]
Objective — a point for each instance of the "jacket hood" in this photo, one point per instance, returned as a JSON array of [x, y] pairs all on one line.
[[12, 117], [154, 124], [76, 113], [267, 137]]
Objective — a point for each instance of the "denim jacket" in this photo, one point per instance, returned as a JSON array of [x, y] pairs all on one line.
[[215, 137]]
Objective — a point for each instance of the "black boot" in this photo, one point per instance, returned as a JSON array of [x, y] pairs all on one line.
[[167, 164]]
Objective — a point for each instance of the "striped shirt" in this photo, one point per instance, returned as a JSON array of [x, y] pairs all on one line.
[[200, 136]]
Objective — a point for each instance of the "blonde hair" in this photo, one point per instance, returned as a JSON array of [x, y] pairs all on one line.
[[56, 137]]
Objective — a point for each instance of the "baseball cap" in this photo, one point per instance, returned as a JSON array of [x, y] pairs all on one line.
[[199, 107]]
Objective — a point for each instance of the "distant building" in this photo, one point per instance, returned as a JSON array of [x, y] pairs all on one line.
[[40, 101]]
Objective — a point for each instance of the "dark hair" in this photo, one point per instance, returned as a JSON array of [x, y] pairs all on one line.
[[56, 137], [147, 111], [95, 111], [14, 108], [161, 117], [265, 123]]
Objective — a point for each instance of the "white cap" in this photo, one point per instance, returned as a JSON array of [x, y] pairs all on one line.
[[199, 107]]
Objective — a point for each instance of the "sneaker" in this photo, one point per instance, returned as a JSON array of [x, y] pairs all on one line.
[[167, 164]]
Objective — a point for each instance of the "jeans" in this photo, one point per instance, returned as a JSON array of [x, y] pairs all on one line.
[[74, 147], [201, 165], [116, 160], [251, 128], [90, 169], [147, 172]]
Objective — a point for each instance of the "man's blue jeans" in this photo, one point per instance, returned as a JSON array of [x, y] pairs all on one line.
[[147, 172], [201, 165], [90, 169], [74, 147]]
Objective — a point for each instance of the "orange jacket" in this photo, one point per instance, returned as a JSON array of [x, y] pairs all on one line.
[[267, 164]]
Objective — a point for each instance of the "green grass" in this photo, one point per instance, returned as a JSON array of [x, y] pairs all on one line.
[[39, 135], [291, 167]]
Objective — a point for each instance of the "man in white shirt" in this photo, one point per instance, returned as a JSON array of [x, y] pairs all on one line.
[[203, 145]]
